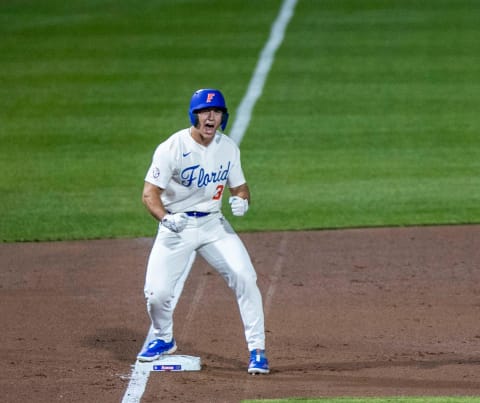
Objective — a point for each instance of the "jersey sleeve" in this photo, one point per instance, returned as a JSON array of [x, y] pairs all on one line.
[[161, 168], [236, 176]]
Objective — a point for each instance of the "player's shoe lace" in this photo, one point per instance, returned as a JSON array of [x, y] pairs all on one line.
[[156, 348], [258, 362]]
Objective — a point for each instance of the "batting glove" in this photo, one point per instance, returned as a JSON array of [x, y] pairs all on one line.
[[175, 222], [239, 206]]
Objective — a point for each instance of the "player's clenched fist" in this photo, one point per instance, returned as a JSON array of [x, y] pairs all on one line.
[[175, 222], [239, 206]]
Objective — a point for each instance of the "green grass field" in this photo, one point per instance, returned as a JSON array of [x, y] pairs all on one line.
[[371, 108], [368, 117]]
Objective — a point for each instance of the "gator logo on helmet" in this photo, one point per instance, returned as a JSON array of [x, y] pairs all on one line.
[[210, 97]]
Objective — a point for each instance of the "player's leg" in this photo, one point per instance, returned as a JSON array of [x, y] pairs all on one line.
[[229, 256], [181, 282], [226, 252], [169, 264]]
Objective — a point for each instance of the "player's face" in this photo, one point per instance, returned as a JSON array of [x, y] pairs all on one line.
[[209, 121]]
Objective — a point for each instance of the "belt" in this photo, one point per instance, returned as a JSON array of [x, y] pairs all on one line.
[[196, 213]]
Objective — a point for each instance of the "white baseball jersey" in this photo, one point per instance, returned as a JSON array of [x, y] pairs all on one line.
[[193, 176]]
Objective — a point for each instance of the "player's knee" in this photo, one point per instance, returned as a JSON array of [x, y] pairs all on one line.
[[157, 297], [243, 279]]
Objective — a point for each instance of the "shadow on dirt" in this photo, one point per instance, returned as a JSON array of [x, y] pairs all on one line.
[[122, 342]]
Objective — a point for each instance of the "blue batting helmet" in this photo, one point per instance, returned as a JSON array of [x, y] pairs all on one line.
[[207, 98]]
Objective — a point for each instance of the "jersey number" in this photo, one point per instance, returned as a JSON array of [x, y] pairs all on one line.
[[219, 192]]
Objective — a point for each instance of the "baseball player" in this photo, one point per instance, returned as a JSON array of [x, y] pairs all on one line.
[[183, 190]]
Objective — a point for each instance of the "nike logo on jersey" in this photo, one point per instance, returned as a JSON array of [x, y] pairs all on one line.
[[195, 174], [186, 154]]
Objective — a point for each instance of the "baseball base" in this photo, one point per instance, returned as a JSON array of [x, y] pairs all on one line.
[[170, 363]]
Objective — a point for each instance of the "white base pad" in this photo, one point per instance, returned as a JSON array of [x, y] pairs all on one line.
[[170, 363]]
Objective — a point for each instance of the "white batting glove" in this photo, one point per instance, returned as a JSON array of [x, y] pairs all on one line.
[[175, 222], [239, 206]]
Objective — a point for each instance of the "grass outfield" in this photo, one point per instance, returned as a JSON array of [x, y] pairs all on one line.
[[372, 110], [368, 118], [88, 91], [426, 399]]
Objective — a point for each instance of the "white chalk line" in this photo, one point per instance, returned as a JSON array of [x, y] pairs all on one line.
[[140, 374], [255, 88], [138, 377]]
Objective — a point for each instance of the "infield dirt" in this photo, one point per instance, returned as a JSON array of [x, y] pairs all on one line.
[[359, 312]]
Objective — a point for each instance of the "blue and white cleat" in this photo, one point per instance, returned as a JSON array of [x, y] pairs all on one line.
[[155, 349], [258, 362]]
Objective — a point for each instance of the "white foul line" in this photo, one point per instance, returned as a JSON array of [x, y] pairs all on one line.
[[255, 88], [140, 374], [138, 378]]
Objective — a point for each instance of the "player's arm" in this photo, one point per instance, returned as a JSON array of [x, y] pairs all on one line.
[[152, 201], [241, 191]]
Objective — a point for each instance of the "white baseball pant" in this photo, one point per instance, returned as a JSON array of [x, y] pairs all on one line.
[[170, 262]]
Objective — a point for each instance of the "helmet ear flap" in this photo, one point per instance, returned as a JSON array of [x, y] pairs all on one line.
[[193, 118], [223, 125]]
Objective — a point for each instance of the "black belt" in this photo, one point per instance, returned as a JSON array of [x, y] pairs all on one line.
[[196, 213]]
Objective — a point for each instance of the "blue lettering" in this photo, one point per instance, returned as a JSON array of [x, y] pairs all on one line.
[[197, 175], [187, 175]]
